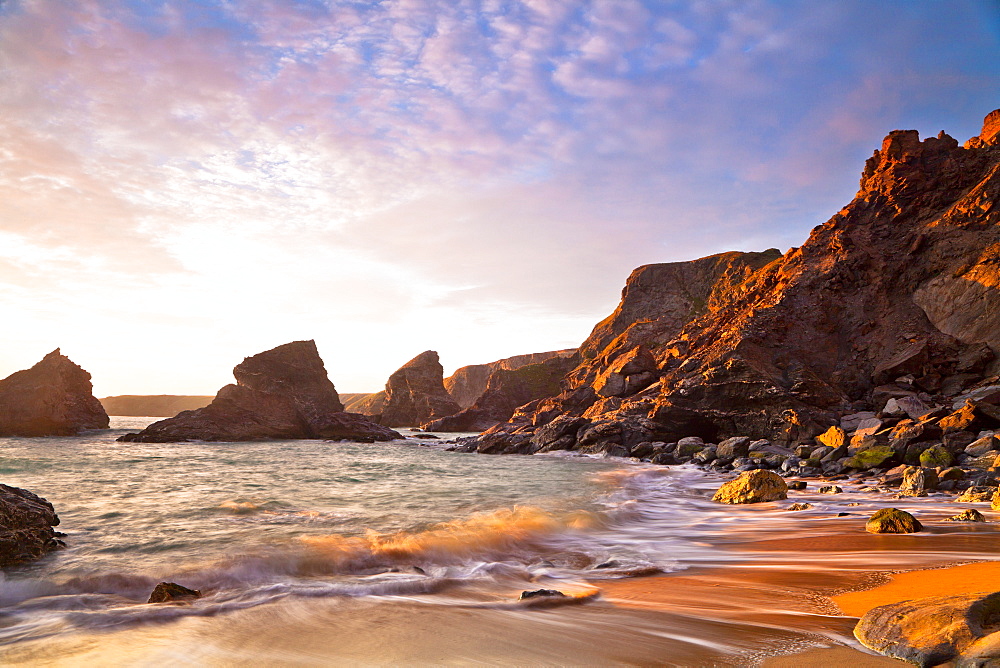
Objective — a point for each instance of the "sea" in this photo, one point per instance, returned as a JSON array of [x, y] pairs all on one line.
[[251, 525]]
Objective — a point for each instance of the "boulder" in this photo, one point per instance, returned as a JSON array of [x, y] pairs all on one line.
[[753, 487], [831, 489], [982, 446], [936, 456], [931, 631], [834, 437], [170, 592], [731, 448], [415, 394], [977, 494], [280, 394], [893, 520], [52, 398], [968, 515], [878, 455], [799, 506], [917, 481], [26, 522]]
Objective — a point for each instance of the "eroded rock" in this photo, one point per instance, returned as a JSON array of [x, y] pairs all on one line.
[[52, 398]]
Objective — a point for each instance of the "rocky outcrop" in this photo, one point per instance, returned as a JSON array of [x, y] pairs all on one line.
[[505, 391], [415, 393], [26, 522], [153, 405], [468, 383], [52, 398], [283, 393], [888, 307], [937, 630]]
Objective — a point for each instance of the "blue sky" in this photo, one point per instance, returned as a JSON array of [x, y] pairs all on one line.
[[183, 184]]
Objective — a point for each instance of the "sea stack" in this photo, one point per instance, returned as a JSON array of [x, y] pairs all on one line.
[[415, 393], [283, 393], [52, 398]]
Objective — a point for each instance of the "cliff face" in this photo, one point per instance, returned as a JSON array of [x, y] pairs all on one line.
[[52, 398], [153, 405], [283, 393], [415, 393], [468, 383], [903, 283]]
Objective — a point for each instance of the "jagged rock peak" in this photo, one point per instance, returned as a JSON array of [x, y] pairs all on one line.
[[415, 393], [282, 393], [990, 134], [293, 368], [52, 398]]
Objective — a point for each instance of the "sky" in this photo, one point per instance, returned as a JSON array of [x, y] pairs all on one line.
[[187, 183]]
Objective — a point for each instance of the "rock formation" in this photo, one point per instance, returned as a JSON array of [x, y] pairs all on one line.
[[894, 298], [505, 391], [153, 405], [283, 393], [936, 630], [415, 394], [752, 487], [26, 522], [52, 398], [468, 383]]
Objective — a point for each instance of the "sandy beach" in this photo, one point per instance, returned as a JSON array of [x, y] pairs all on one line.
[[796, 604]]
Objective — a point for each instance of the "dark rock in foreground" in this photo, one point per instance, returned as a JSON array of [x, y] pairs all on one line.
[[283, 393], [52, 398], [26, 522], [168, 592], [936, 630], [415, 393]]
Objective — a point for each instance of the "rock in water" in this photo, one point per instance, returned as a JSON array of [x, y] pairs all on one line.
[[52, 398], [969, 515], [753, 487], [933, 631], [893, 520], [168, 592], [415, 393], [282, 393], [26, 522]]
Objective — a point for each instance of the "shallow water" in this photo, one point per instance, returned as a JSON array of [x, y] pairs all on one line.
[[281, 526]]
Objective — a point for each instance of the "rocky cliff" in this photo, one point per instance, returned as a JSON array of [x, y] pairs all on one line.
[[52, 398], [283, 393], [26, 522], [153, 405], [506, 389], [468, 383], [897, 294], [415, 394]]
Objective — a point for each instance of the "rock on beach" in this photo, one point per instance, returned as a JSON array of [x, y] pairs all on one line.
[[893, 520], [754, 486]]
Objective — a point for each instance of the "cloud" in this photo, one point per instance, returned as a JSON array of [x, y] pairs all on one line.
[[198, 181]]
